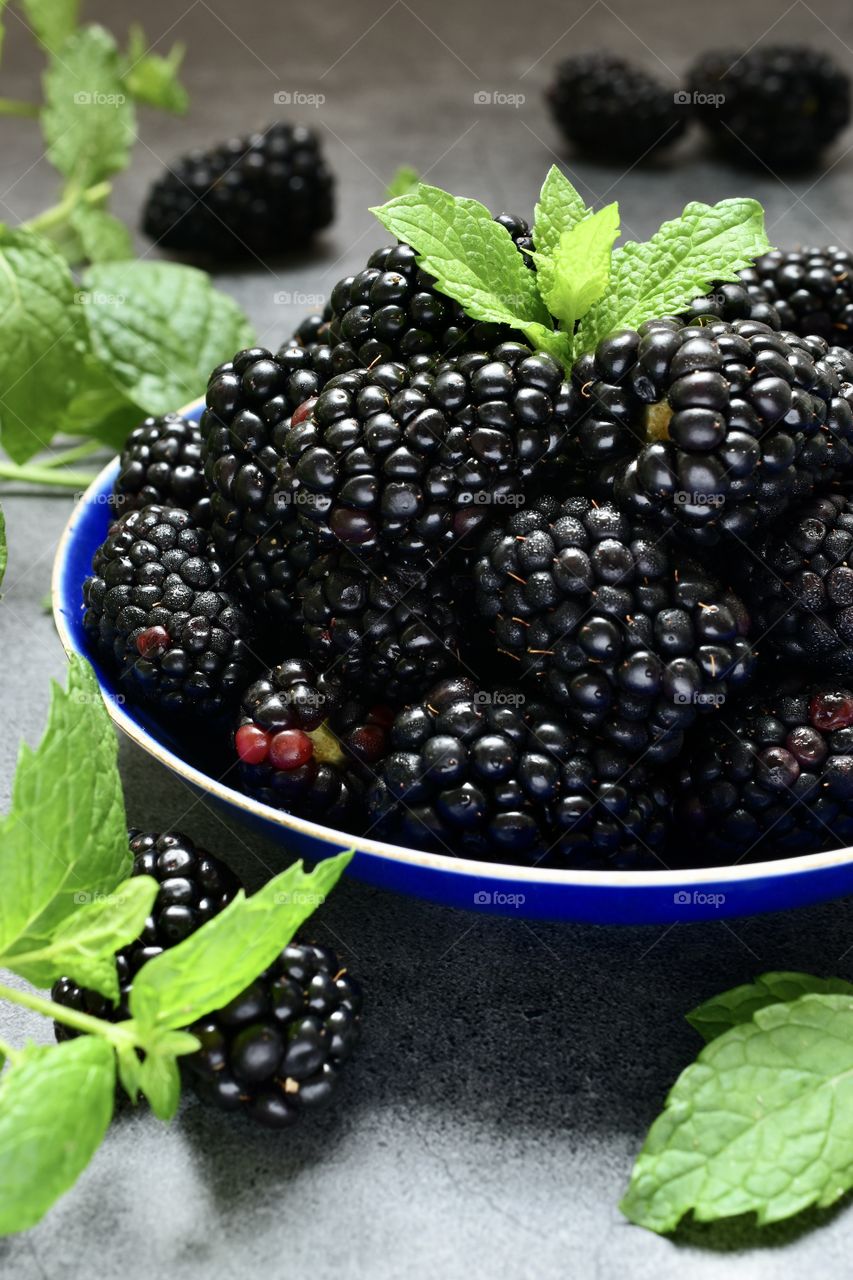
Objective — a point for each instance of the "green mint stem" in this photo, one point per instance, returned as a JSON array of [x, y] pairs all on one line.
[[52, 476], [112, 1031], [66, 456], [8, 1052], [59, 213], [17, 107]]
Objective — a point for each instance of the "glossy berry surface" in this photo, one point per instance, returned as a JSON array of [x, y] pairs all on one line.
[[161, 464], [811, 290]]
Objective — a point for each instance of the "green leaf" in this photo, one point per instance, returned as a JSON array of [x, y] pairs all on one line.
[[3, 4], [707, 243], [153, 79], [55, 1106], [52, 20], [83, 947], [472, 257], [159, 328], [160, 1080], [99, 409], [762, 1122], [65, 835], [88, 120], [4, 550], [219, 961], [735, 1007], [38, 342], [103, 237], [560, 208], [129, 1066], [577, 274], [406, 179]]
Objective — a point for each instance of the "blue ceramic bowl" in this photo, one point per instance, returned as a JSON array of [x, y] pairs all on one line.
[[600, 897]]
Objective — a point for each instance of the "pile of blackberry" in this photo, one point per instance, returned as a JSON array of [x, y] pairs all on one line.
[[811, 290], [161, 465], [265, 194]]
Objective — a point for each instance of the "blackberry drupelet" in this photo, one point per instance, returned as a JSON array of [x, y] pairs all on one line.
[[409, 462], [161, 464], [377, 628], [777, 106], [277, 1049], [613, 110], [775, 776], [264, 194], [745, 301], [714, 426], [497, 776], [629, 635], [392, 310], [811, 290], [799, 583], [194, 887], [304, 744], [155, 608]]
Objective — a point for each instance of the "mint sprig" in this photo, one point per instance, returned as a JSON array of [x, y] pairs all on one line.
[[739, 1006], [577, 272]]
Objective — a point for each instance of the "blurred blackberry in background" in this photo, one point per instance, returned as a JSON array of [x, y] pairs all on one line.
[[811, 290], [265, 194], [161, 463]]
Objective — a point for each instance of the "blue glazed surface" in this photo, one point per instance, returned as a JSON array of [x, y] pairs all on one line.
[[610, 897]]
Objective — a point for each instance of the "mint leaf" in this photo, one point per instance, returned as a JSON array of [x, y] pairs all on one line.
[[55, 1106], [577, 273], [88, 121], [153, 79], [98, 408], [103, 237], [83, 947], [52, 20], [65, 834], [38, 343], [762, 1122], [159, 328], [160, 1080], [680, 262], [219, 961], [740, 1005], [472, 258], [560, 208], [406, 179]]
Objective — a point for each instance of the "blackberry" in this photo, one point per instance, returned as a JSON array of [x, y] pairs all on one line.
[[264, 194], [811, 290], [304, 746], [633, 638], [748, 300], [161, 464], [714, 426], [392, 310], [154, 608], [277, 1049], [800, 584], [776, 776], [613, 110], [194, 887], [376, 628], [778, 106], [409, 461], [491, 774]]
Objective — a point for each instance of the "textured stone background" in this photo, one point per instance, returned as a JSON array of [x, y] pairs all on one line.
[[508, 1073]]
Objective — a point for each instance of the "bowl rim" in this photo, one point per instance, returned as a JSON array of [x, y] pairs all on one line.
[[400, 854]]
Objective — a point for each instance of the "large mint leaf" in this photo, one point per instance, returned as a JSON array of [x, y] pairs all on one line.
[[153, 79], [472, 257], [53, 21], [659, 276], [55, 1106], [219, 961], [103, 237], [98, 408], [560, 208], [38, 342], [740, 1005], [159, 328], [575, 275], [761, 1123], [65, 837], [89, 121]]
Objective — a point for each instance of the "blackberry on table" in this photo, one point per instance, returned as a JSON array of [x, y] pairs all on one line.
[[811, 290], [496, 775], [156, 610], [265, 194], [409, 461], [613, 110], [775, 776], [305, 745], [631, 637], [194, 887], [277, 1049], [714, 426], [161, 464], [776, 106], [799, 582]]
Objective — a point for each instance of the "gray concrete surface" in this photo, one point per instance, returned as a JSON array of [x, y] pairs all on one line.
[[508, 1072]]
